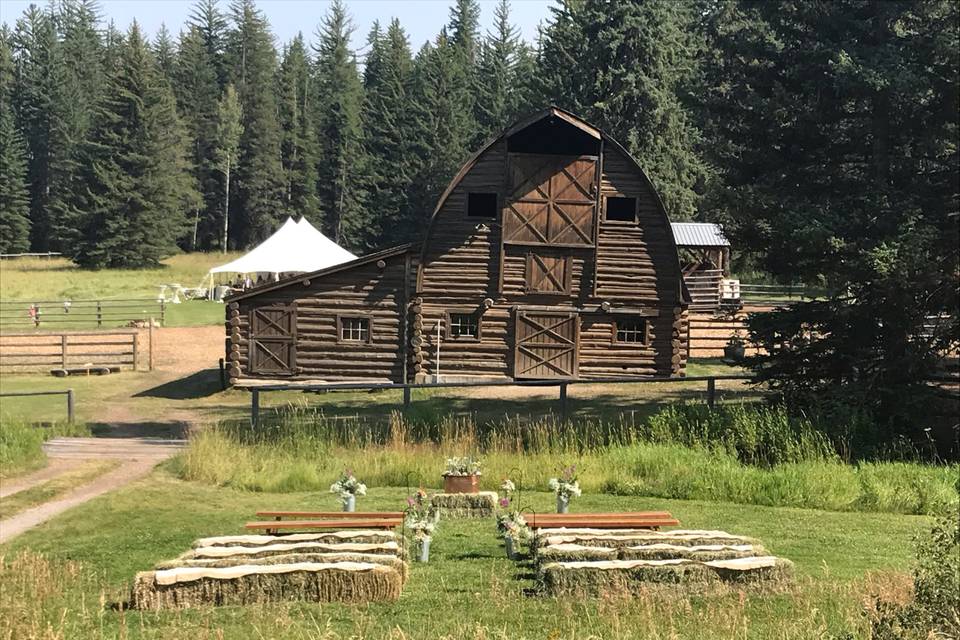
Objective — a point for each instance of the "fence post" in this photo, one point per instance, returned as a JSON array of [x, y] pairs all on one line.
[[255, 408], [711, 392], [99, 315], [63, 351], [406, 398], [36, 316], [136, 340], [70, 406], [163, 312], [223, 375], [563, 401], [150, 345]]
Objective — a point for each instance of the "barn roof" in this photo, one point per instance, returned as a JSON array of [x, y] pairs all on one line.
[[699, 234], [300, 277]]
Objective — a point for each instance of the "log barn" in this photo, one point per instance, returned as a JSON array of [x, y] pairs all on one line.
[[548, 256]]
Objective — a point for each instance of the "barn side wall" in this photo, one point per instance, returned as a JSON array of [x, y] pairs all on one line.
[[366, 290]]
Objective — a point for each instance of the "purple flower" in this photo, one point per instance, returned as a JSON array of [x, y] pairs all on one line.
[[504, 502]]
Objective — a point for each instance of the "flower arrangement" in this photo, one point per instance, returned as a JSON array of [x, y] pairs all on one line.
[[421, 517], [510, 524], [463, 466], [508, 487], [347, 486], [566, 487]]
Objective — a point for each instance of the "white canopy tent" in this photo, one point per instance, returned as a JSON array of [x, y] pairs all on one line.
[[296, 247]]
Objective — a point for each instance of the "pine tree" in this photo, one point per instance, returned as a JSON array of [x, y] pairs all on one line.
[[463, 43], [198, 92], [298, 145], [624, 65], [164, 51], [34, 44], [135, 170], [257, 195], [497, 81], [340, 166], [387, 135], [14, 197], [226, 149], [213, 26]]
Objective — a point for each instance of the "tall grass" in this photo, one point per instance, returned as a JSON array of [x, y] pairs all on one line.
[[751, 455], [21, 444]]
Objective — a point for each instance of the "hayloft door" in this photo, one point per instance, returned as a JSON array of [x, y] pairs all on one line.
[[546, 345], [273, 341]]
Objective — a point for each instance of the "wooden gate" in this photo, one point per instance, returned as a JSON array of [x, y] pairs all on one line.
[[273, 341], [546, 345], [551, 200]]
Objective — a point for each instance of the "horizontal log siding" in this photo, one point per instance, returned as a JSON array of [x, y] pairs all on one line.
[[459, 259], [635, 262], [491, 357], [600, 357], [363, 291]]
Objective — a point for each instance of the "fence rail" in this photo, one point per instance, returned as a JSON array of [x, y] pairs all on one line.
[[22, 352], [773, 292], [562, 385], [109, 312], [30, 394], [43, 254]]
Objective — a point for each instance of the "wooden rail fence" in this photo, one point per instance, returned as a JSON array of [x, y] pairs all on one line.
[[80, 313], [30, 394], [709, 334], [22, 352], [562, 409]]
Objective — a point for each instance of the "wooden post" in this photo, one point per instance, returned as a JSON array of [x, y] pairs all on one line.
[[36, 316], [223, 375], [150, 345], [136, 340], [63, 351], [99, 315], [406, 398], [563, 401], [163, 312], [70, 414], [711, 392], [255, 408]]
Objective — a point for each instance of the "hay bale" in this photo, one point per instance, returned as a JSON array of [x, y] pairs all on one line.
[[753, 569], [570, 552], [289, 558], [573, 553], [184, 587], [329, 537], [466, 505], [634, 537], [292, 547]]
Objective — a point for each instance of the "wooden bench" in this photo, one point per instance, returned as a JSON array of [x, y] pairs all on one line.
[[330, 515], [629, 520], [274, 526]]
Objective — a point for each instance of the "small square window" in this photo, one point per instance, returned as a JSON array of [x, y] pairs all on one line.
[[354, 329], [630, 330], [464, 326], [482, 205], [622, 209]]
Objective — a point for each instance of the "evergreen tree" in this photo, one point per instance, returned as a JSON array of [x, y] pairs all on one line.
[[226, 149], [387, 135], [164, 51], [135, 170], [340, 167], [440, 126], [212, 26], [298, 145], [462, 35], [34, 44], [497, 85], [625, 65], [198, 92], [14, 197], [257, 195]]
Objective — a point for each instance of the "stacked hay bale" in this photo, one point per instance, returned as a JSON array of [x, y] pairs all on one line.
[[335, 566], [595, 561], [466, 505]]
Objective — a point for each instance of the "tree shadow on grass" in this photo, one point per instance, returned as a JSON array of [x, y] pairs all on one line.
[[201, 384]]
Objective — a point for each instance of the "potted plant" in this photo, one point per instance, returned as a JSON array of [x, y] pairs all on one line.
[[566, 487], [462, 475], [421, 520], [348, 488], [735, 348]]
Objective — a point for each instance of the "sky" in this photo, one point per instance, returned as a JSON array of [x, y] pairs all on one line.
[[422, 19]]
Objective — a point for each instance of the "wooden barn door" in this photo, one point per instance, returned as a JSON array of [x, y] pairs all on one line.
[[546, 345], [273, 341], [550, 200]]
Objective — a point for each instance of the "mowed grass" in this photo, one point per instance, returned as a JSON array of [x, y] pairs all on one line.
[[85, 472], [57, 279], [468, 590]]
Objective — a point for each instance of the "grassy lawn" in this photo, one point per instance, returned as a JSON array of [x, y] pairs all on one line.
[[59, 279], [56, 487], [468, 590]]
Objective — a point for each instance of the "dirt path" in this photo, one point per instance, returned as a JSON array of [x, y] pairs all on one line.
[[139, 456], [55, 468]]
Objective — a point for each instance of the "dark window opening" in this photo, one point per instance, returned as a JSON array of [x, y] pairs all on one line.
[[622, 209], [464, 326], [355, 329], [631, 330], [482, 205], [554, 136]]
